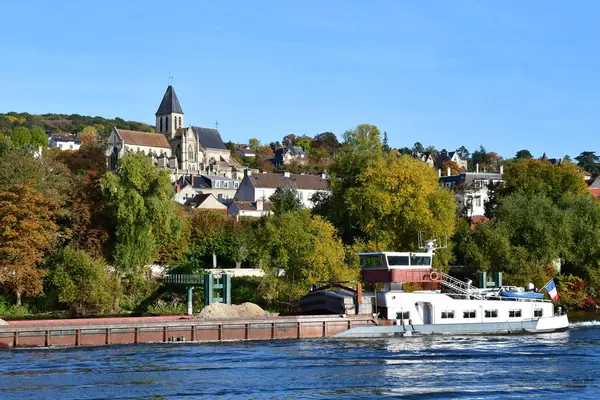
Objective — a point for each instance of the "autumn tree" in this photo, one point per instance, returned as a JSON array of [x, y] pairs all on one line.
[[327, 141], [89, 135], [254, 143], [454, 168], [27, 218]]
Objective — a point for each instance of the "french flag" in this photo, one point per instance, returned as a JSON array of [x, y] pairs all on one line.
[[551, 289]]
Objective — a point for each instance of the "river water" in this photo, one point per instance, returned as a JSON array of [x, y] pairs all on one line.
[[559, 365]]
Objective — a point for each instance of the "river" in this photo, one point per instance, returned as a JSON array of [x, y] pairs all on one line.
[[559, 365]]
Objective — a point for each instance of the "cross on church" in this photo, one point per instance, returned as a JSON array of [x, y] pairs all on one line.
[[170, 79], [217, 124]]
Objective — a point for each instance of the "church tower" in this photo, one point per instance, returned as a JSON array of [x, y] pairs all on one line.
[[169, 116]]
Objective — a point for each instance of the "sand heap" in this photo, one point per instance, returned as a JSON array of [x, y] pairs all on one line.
[[222, 311], [3, 322]]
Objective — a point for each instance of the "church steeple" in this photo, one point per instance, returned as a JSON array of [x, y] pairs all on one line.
[[169, 116]]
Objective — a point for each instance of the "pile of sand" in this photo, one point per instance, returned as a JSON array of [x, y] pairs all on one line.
[[3, 322], [222, 311]]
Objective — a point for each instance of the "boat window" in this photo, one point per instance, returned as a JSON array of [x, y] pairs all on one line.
[[514, 313], [371, 260], [403, 315], [469, 314], [420, 260], [397, 260], [447, 314], [538, 312], [491, 313]]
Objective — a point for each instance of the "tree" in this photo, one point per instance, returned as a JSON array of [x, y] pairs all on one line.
[[274, 145], [589, 161], [318, 155], [304, 142], [21, 136], [82, 283], [306, 249], [38, 137], [454, 168], [385, 144], [138, 202], [395, 199], [523, 154], [254, 143], [28, 231], [364, 136], [418, 148], [289, 140], [540, 177], [431, 149], [463, 152], [327, 141], [487, 161], [89, 135], [285, 200], [406, 151]]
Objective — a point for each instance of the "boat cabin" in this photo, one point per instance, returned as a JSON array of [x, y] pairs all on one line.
[[392, 267]]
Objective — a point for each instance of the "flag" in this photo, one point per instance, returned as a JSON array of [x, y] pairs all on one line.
[[551, 289]]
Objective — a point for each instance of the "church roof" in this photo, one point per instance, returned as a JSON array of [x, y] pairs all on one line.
[[144, 138], [293, 181], [209, 138], [170, 103]]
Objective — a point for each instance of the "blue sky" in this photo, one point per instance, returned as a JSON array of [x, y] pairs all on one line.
[[505, 74]]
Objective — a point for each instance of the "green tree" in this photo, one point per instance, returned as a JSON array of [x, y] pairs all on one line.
[[385, 145], [365, 136], [589, 161], [285, 200], [138, 202], [304, 142], [327, 141], [523, 154], [254, 143], [418, 148], [39, 137], [83, 284], [21, 136]]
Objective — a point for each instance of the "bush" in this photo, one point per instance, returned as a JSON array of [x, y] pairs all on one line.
[[8, 310], [83, 284]]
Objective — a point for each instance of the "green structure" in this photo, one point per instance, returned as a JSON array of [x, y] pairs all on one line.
[[217, 289], [483, 282]]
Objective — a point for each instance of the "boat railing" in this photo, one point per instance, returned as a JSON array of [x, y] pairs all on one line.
[[459, 286]]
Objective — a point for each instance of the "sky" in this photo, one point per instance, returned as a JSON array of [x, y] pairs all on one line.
[[507, 75]]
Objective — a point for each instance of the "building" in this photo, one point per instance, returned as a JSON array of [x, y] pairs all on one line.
[[190, 185], [454, 156], [64, 142], [263, 185], [594, 187], [245, 152], [253, 209], [191, 149], [471, 190], [289, 154], [204, 202]]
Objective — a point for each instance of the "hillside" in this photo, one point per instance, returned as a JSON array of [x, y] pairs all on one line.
[[65, 123]]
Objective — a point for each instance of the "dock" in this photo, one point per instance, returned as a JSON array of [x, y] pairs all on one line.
[[178, 329]]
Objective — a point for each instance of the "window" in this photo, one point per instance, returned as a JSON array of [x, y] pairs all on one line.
[[300, 195], [514, 313], [236, 185], [420, 260], [191, 153], [217, 184], [491, 313], [478, 201], [180, 122], [397, 260], [469, 314], [160, 119], [538, 312], [370, 260], [166, 123], [225, 185], [403, 315], [70, 146], [447, 314]]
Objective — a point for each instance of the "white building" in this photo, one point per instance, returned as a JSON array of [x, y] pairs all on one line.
[[253, 209], [263, 185], [190, 185], [64, 142], [471, 190]]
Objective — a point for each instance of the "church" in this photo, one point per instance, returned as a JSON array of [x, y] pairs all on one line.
[[182, 150]]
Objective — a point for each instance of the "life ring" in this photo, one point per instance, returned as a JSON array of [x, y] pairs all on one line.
[[434, 276]]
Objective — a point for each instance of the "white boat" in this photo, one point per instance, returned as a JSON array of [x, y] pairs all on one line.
[[464, 309]]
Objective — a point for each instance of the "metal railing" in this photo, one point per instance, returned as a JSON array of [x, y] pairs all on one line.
[[460, 286]]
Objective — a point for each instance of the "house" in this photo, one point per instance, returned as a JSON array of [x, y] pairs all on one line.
[[426, 157], [587, 177], [290, 153], [246, 152], [262, 186], [191, 149], [206, 201], [450, 156], [64, 142], [190, 185], [594, 187], [254, 209], [471, 190]]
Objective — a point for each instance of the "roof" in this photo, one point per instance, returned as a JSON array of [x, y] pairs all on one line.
[[64, 138], [170, 103], [219, 178], [468, 177], [199, 182], [251, 206], [199, 199], [247, 151], [144, 138], [595, 184], [294, 181], [209, 138]]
